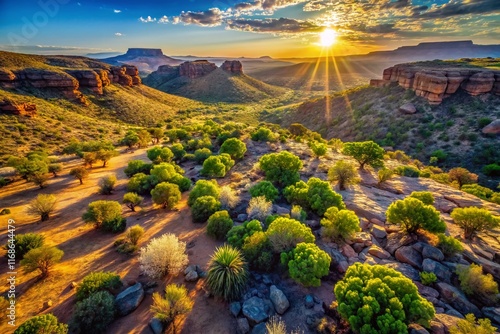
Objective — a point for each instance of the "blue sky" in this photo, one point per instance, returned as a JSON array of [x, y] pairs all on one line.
[[280, 28]]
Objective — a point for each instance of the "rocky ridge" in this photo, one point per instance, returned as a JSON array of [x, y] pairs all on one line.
[[438, 83]]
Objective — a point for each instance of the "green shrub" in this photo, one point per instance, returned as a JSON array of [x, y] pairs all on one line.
[[141, 184], [217, 165], [227, 273], [201, 154], [365, 153], [4, 212], [318, 149], [469, 326], [474, 283], [424, 196], [440, 155], [307, 264], [266, 189], [45, 323], [131, 200], [281, 168], [23, 243], [178, 151], [204, 188], [449, 245], [55, 168], [462, 176], [160, 154], [237, 234], [219, 225], [297, 194], [134, 234], [378, 299], [234, 147], [339, 226], [344, 173], [43, 205], [384, 175], [478, 191], [285, 233], [298, 129], [107, 184], [412, 214], [298, 213], [492, 170], [203, 208], [93, 314], [495, 198], [427, 278], [42, 258], [106, 215], [97, 281], [473, 220], [259, 208], [263, 134], [136, 167], [408, 171], [166, 194], [483, 121], [321, 196], [175, 303], [258, 251]]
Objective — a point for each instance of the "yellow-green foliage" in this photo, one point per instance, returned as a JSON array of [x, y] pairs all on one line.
[[413, 214], [469, 326], [307, 263], [339, 225], [474, 220], [474, 283]]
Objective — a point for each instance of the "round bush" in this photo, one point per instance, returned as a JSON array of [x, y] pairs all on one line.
[[97, 281], [425, 196], [307, 264], [411, 214], [219, 224], [339, 225], [45, 323], [201, 154], [93, 314], [227, 273], [321, 196], [259, 208], [344, 173], [163, 255], [234, 147], [204, 188], [166, 194], [136, 167], [203, 208], [237, 234], [281, 168], [285, 234], [266, 189], [258, 251], [377, 299], [217, 165], [473, 220], [160, 154]]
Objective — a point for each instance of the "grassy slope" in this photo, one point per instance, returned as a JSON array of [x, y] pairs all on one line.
[[372, 113]]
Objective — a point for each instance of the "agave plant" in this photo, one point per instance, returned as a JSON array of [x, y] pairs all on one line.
[[227, 273]]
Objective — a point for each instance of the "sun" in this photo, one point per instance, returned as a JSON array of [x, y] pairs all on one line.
[[328, 37]]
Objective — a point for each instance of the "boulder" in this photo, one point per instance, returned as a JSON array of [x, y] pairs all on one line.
[[259, 329], [378, 232], [348, 251], [235, 308], [427, 291], [493, 128], [430, 252], [378, 252], [405, 269], [442, 272], [447, 321], [479, 83], [278, 299], [417, 329], [255, 310], [128, 300], [492, 313], [452, 295], [396, 240], [191, 276], [243, 327], [408, 254], [279, 210], [242, 217], [408, 109], [362, 237], [437, 327], [156, 326]]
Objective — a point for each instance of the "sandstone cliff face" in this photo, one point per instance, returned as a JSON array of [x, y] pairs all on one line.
[[196, 69], [435, 84], [232, 66], [22, 109]]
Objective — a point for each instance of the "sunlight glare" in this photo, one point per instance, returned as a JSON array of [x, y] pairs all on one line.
[[328, 37]]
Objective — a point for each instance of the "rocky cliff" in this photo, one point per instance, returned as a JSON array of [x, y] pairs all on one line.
[[146, 60], [23, 109], [196, 69], [232, 66], [436, 83]]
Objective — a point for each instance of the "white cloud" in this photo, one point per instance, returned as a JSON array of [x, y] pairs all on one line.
[[117, 11], [147, 19], [118, 34], [163, 19]]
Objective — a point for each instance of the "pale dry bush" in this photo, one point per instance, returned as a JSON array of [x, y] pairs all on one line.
[[163, 255], [259, 208], [228, 198]]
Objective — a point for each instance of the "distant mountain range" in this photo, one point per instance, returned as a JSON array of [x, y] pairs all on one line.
[[146, 60]]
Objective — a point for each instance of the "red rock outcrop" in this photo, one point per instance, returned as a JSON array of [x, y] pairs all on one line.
[[232, 66], [23, 109], [493, 128], [435, 83], [90, 79], [126, 75], [196, 69]]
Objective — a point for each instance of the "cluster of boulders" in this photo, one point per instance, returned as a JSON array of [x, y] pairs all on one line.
[[437, 83]]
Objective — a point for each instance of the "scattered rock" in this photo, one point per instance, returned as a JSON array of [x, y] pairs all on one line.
[[442, 272], [259, 329], [492, 313], [452, 295], [397, 240], [242, 217], [313, 224], [279, 210], [156, 326], [243, 326], [348, 251], [191, 276], [437, 327], [235, 308], [378, 232], [405, 269], [427, 291], [362, 237], [447, 321], [279, 300], [128, 300], [417, 329], [309, 301], [408, 108], [430, 252], [378, 252], [255, 310], [408, 254], [493, 128]]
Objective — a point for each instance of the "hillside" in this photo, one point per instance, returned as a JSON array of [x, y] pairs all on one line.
[[203, 81], [371, 113]]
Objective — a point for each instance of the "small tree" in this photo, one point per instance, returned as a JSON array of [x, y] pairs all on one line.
[[40, 179], [473, 220], [384, 175], [340, 226], [413, 214], [137, 166], [134, 234], [178, 151], [318, 149], [160, 154], [204, 207], [321, 196], [25, 242], [285, 233], [259, 208], [144, 138], [175, 303], [307, 264], [234, 147], [204, 188], [42, 258], [469, 326], [163, 255], [43, 205], [107, 184], [424, 196], [166, 194], [365, 153], [90, 158], [219, 224], [105, 155], [45, 323], [228, 198], [79, 173], [97, 281], [217, 165], [378, 299], [131, 200], [227, 273], [93, 314], [157, 134], [131, 139], [281, 168], [55, 168], [343, 173], [105, 214], [462, 176], [266, 189]]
